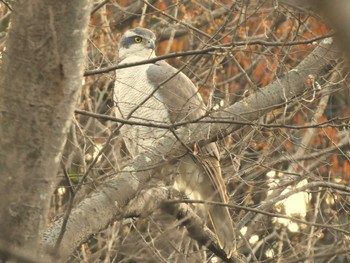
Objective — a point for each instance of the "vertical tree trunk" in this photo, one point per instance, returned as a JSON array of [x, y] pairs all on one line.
[[40, 79]]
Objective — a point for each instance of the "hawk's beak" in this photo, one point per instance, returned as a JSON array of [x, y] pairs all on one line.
[[151, 44]]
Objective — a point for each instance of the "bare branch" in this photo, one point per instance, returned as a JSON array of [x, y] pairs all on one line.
[[223, 48]]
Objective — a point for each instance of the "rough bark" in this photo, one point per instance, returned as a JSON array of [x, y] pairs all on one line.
[[109, 202], [40, 79]]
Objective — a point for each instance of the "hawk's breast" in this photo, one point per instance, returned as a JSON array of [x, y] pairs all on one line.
[[134, 93]]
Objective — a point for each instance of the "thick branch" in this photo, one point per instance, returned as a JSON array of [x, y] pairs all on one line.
[[275, 95], [197, 229]]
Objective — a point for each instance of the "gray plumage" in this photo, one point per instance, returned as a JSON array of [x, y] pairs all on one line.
[[176, 100]]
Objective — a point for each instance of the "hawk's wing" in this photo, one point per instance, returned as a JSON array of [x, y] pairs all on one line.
[[183, 102], [177, 92]]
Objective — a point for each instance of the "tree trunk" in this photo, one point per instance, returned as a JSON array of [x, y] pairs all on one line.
[[40, 79]]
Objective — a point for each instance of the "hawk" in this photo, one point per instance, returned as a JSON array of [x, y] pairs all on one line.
[[158, 92]]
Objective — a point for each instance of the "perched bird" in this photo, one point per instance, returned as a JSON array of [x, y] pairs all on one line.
[[158, 92]]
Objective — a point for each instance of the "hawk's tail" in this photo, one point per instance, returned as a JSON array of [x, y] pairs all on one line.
[[200, 178], [219, 215], [223, 228]]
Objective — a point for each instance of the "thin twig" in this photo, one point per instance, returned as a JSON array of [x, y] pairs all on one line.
[[7, 5], [162, 125]]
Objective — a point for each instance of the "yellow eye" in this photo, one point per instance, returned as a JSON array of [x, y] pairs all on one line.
[[137, 39]]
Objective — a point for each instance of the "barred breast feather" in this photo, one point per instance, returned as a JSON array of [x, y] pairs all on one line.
[[131, 89]]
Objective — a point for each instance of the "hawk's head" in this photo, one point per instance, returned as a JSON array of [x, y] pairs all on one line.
[[137, 42]]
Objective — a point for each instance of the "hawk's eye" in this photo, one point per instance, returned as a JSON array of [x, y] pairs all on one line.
[[137, 39]]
